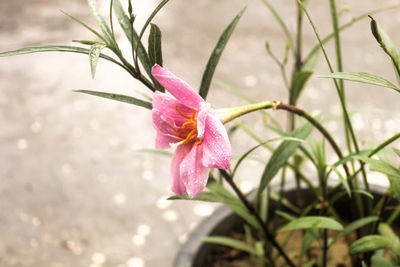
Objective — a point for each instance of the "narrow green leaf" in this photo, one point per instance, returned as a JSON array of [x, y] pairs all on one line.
[[230, 242], [216, 55], [155, 51], [56, 48], [94, 54], [281, 155], [130, 32], [387, 45], [363, 192], [203, 196], [312, 222], [232, 202], [285, 215], [103, 25], [149, 19], [220, 195], [342, 180], [299, 81], [381, 166], [117, 97], [362, 77], [387, 231], [354, 226], [368, 243], [86, 26]]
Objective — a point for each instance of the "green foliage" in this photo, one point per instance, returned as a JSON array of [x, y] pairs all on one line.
[[231, 242], [387, 45], [368, 243], [362, 77], [121, 98], [155, 51], [315, 222], [94, 54], [216, 55], [280, 156]]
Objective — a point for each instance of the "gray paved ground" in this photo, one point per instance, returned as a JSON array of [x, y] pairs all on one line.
[[74, 191]]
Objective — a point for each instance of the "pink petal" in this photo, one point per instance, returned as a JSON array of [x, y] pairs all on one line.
[[177, 87], [202, 117], [177, 185], [168, 106], [193, 174], [216, 146], [165, 130]]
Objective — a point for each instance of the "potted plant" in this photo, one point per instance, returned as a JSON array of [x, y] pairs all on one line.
[[273, 226]]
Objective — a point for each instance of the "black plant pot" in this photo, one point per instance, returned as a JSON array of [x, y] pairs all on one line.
[[194, 252]]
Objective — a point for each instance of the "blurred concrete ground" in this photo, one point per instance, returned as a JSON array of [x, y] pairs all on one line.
[[74, 191]]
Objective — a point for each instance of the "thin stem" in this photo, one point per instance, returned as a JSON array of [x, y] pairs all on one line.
[[268, 235]]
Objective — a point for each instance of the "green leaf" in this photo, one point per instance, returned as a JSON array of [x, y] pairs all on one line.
[[381, 166], [103, 25], [230, 242], [232, 202], [312, 222], [363, 192], [117, 97], [155, 51], [354, 226], [281, 154], [56, 48], [216, 55], [342, 180], [368, 243], [149, 19], [381, 261], [130, 32], [299, 81], [94, 54], [362, 77], [86, 26], [387, 45], [387, 231]]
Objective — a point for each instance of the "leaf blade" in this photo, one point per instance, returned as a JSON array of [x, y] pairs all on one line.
[[154, 45], [118, 97], [368, 243], [216, 55], [312, 222], [94, 54], [230, 242], [362, 77]]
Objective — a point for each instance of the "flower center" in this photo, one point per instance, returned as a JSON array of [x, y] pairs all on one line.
[[188, 131]]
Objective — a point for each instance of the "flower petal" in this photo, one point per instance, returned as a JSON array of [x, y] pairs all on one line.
[[169, 107], [166, 133], [193, 174], [177, 185], [177, 87], [202, 117], [216, 146]]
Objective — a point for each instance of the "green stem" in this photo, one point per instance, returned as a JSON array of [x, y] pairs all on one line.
[[228, 114]]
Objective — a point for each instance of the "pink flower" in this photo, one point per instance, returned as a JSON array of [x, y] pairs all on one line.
[[186, 120]]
